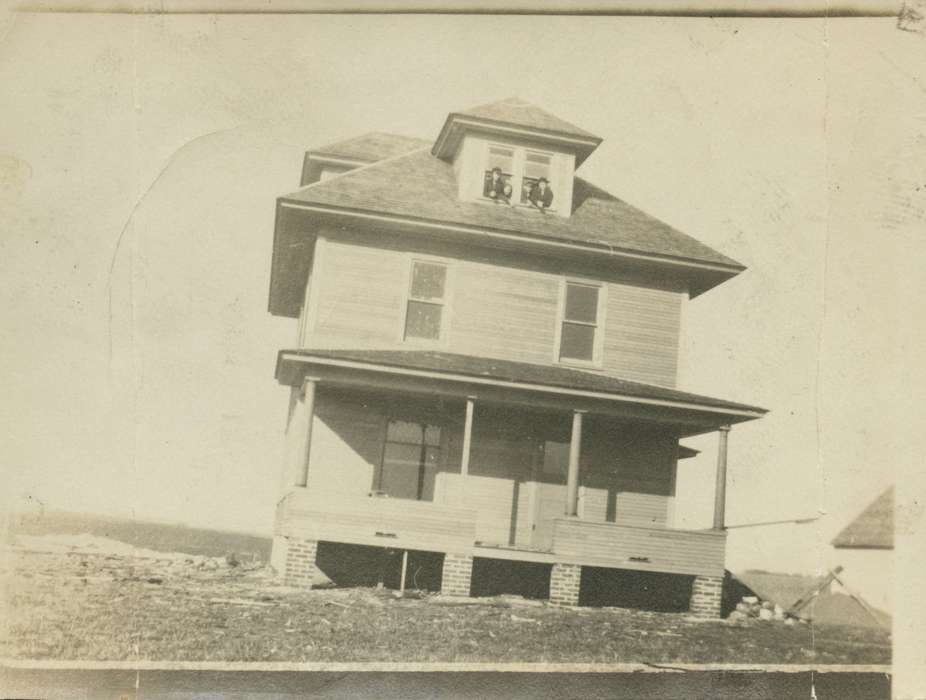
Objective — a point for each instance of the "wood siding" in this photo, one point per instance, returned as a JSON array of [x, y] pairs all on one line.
[[495, 307], [626, 486], [374, 521], [643, 549]]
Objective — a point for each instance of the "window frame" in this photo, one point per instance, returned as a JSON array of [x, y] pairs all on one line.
[[445, 303], [597, 360], [519, 160], [440, 465]]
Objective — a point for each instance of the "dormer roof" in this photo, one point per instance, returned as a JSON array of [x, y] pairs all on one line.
[[517, 118]]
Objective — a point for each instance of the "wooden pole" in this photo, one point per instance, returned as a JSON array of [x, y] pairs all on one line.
[[575, 454], [720, 488], [404, 569], [467, 436], [308, 398]]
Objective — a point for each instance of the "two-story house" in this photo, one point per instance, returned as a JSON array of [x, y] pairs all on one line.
[[486, 358]]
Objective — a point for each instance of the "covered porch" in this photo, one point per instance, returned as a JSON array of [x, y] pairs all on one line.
[[413, 458]]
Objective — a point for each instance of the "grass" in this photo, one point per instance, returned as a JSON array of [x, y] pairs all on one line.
[[104, 607]]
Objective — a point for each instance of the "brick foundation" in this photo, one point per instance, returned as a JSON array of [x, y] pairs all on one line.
[[299, 563], [457, 574], [706, 592], [564, 584]]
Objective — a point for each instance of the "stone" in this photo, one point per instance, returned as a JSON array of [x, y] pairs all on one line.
[[766, 614], [750, 599]]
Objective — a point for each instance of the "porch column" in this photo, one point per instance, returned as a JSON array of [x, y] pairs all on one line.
[[467, 436], [308, 399], [720, 488], [575, 453]]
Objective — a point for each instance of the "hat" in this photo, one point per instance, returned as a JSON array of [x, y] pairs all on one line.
[[543, 179]]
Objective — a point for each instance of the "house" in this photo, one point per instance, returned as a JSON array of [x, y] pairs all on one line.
[[865, 550], [485, 363]]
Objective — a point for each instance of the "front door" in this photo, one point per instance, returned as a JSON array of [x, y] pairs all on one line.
[[549, 486]]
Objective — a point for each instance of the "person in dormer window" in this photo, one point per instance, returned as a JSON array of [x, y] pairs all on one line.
[[497, 187], [541, 196]]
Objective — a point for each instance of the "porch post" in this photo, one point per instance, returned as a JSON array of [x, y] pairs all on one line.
[[572, 477], [308, 398], [467, 436], [720, 488]]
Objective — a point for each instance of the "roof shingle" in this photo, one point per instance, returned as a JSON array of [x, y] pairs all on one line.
[[523, 373], [518, 112], [371, 147], [873, 527], [422, 186]]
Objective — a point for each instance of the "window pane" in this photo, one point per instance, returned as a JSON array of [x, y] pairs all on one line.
[[432, 435], [402, 431], [537, 165], [423, 320], [577, 342], [556, 458], [581, 303], [500, 158], [428, 280], [400, 470]]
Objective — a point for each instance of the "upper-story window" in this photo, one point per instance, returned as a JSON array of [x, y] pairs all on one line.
[[426, 299], [515, 175], [580, 335]]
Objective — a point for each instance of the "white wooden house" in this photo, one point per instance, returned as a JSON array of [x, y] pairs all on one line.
[[482, 372]]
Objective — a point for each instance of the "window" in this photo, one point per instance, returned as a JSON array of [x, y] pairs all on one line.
[[556, 458], [498, 174], [512, 173], [423, 315], [411, 458], [536, 166], [579, 329]]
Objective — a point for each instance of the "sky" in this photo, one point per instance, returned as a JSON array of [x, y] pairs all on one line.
[[139, 162]]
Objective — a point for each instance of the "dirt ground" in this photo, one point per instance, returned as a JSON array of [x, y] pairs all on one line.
[[92, 599]]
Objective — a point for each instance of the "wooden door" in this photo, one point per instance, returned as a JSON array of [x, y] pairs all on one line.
[[549, 491]]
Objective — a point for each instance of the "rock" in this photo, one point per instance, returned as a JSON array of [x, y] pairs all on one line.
[[766, 614], [767, 605], [737, 615], [744, 608], [778, 612], [232, 560], [789, 621], [750, 599]]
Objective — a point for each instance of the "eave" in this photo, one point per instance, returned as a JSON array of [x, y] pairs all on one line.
[[684, 416], [297, 222]]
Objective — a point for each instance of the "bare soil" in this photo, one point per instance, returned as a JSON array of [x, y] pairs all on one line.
[[91, 602]]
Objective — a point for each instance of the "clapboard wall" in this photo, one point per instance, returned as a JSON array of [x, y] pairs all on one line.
[[627, 473], [497, 305]]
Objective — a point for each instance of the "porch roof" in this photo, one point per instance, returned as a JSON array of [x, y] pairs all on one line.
[[516, 377]]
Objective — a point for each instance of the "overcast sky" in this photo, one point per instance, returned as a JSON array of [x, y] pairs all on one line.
[[140, 158]]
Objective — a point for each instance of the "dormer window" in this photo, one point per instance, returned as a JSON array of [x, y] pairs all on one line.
[[515, 175], [499, 172]]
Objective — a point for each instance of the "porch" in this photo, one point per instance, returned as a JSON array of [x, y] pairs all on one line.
[[480, 468], [427, 526]]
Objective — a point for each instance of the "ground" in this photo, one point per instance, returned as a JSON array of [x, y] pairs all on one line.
[[91, 598]]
